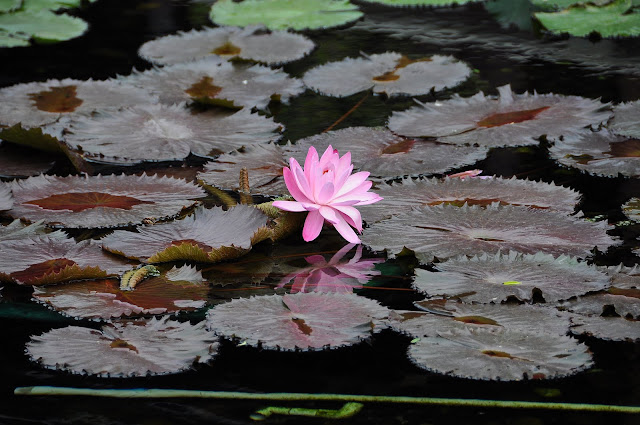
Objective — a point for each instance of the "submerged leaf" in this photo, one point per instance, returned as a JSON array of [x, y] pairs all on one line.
[[179, 289], [601, 153], [509, 120], [488, 278], [302, 321], [283, 14], [209, 235], [390, 73], [251, 43], [100, 201], [125, 349], [446, 231]]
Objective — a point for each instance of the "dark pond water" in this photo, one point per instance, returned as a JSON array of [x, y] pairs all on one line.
[[606, 69]]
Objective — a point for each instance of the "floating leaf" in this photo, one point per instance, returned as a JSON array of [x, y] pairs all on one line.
[[252, 43], [215, 81], [301, 321], [386, 155], [41, 25], [125, 349], [390, 73], [454, 191], [18, 161], [631, 209], [209, 235], [6, 199], [179, 289], [409, 3], [616, 19], [625, 120], [606, 328], [100, 201], [509, 120], [283, 14], [165, 133], [9, 5], [17, 230], [601, 153], [41, 260], [37, 104], [495, 277], [445, 231], [496, 354]]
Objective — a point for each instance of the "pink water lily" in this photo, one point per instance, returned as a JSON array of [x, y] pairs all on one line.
[[328, 191]]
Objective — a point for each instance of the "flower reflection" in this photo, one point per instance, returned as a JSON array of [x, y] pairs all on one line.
[[335, 275]]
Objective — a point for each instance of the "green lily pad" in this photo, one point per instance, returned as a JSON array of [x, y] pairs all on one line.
[[42, 25], [9, 5], [512, 12], [403, 3], [283, 14], [613, 20], [34, 5], [563, 4], [8, 39]]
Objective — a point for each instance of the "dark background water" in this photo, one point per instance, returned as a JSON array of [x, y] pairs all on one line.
[[606, 69]]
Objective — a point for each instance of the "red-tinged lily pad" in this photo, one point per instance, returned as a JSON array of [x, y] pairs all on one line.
[[338, 274], [602, 153], [626, 119], [165, 133], [445, 231], [390, 73], [474, 191], [252, 43], [209, 235], [125, 349], [41, 260], [500, 354], [264, 164], [179, 289], [508, 120], [215, 81], [17, 231], [300, 321], [36, 104], [386, 155], [606, 328], [100, 201], [19, 161], [493, 278]]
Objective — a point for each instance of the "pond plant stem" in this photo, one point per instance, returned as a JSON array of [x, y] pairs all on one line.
[[354, 398], [339, 120]]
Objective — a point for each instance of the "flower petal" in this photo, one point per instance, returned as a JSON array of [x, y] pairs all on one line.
[[325, 194], [289, 206], [292, 186], [353, 182], [329, 214], [312, 226], [351, 215], [345, 230]]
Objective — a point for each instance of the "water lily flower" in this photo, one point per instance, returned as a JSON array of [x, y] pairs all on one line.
[[326, 189]]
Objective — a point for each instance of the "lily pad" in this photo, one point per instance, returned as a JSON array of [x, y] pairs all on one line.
[[508, 120], [300, 321], [408, 193], [100, 201], [36, 104], [606, 328], [41, 260], [20, 161], [125, 349], [9, 5], [252, 43], [283, 14], [40, 25], [215, 81], [209, 235], [178, 289], [390, 73], [631, 209], [6, 198], [600, 153], [164, 133], [626, 121], [387, 156], [616, 19], [17, 231], [410, 3], [493, 278], [445, 231]]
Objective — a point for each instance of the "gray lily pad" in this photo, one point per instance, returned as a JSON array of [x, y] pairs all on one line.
[[455, 191], [495, 277], [444, 231], [178, 289], [125, 349], [387, 156], [251, 43], [215, 81], [601, 153], [306, 321], [209, 235], [631, 209], [623, 302], [390, 73], [6, 198], [41, 260], [283, 14], [606, 328], [165, 133], [508, 120], [17, 230], [626, 121], [100, 201]]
